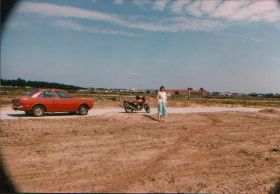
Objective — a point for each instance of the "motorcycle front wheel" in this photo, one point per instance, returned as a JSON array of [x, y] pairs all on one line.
[[127, 109]]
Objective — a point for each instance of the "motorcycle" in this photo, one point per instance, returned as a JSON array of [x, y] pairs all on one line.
[[137, 105]]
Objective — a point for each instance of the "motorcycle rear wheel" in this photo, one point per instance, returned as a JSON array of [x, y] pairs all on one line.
[[147, 108]]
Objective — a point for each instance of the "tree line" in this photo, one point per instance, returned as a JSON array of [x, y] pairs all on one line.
[[36, 84]]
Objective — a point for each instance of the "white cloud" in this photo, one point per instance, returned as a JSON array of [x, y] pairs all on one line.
[[194, 9], [160, 4], [209, 6], [140, 2], [71, 25], [258, 11], [186, 23], [245, 37], [53, 10], [157, 24], [277, 25], [178, 5], [235, 10], [179, 24], [119, 2], [16, 24], [228, 8], [254, 39], [208, 16]]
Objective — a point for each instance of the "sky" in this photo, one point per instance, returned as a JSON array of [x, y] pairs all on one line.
[[218, 45]]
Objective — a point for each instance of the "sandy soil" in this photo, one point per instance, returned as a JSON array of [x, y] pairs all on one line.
[[230, 152]]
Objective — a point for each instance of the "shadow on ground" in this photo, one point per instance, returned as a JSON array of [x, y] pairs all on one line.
[[150, 117], [45, 115], [6, 184], [276, 188]]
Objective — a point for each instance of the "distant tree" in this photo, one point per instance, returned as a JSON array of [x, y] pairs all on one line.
[[269, 95], [253, 95], [20, 82], [215, 93], [37, 84]]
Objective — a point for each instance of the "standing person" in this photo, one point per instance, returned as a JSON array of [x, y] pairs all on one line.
[[162, 103]]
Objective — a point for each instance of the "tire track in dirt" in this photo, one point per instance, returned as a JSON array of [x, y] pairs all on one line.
[[150, 167], [222, 188], [238, 187], [155, 164], [214, 121]]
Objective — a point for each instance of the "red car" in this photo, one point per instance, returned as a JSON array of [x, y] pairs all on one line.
[[39, 101]]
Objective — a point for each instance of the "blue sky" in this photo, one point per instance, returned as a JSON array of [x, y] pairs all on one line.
[[215, 44]]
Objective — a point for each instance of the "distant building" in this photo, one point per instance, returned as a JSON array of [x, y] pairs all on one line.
[[186, 92], [83, 90], [226, 94]]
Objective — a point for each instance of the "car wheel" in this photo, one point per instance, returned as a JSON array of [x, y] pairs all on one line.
[[28, 113], [83, 110], [38, 111]]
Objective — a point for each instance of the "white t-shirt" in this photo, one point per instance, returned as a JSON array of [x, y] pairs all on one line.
[[161, 97]]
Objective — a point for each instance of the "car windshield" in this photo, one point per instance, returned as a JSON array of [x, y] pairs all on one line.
[[31, 93], [62, 94]]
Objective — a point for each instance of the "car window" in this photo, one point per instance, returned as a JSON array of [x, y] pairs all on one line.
[[46, 94], [61, 94]]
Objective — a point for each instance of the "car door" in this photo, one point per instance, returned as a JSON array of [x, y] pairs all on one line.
[[63, 102], [46, 98]]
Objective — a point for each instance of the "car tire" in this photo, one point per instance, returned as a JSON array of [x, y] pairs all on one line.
[[83, 110], [38, 111]]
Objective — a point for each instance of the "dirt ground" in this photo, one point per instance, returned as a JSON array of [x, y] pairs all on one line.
[[205, 152]]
